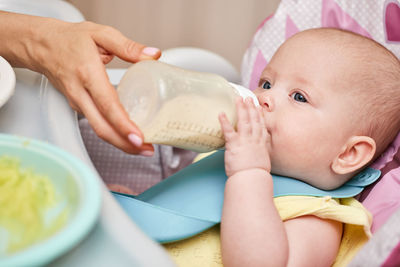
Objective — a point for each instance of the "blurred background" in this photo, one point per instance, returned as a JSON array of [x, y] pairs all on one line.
[[222, 26]]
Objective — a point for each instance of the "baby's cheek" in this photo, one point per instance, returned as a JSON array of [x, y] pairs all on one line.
[[288, 145], [301, 147]]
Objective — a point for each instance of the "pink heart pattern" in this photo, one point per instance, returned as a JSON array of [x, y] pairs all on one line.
[[392, 21], [258, 67], [291, 28], [334, 16]]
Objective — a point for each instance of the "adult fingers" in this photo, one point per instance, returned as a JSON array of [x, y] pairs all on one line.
[[59, 85], [105, 56], [116, 43], [105, 98], [102, 127], [106, 132]]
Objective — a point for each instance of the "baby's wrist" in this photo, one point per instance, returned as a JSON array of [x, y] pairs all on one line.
[[250, 180], [249, 171]]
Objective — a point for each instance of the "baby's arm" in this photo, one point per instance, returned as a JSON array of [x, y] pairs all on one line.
[[252, 232]]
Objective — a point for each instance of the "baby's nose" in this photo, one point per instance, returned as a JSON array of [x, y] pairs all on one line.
[[266, 101]]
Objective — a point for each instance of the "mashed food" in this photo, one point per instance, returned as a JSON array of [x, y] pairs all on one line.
[[30, 209]]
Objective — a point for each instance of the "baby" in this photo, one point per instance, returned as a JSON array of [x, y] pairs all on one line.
[[329, 105]]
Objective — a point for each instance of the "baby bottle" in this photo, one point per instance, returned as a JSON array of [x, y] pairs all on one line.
[[178, 107]]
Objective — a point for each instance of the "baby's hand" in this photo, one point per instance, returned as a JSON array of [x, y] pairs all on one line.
[[246, 148]]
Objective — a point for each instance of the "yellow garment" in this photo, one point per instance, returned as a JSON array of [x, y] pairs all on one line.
[[204, 249]]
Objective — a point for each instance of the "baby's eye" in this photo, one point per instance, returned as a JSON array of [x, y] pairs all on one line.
[[299, 97], [266, 85]]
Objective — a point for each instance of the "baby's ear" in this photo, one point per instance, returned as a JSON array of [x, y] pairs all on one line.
[[357, 152]]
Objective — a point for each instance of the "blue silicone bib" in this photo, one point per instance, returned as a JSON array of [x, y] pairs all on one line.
[[190, 201]]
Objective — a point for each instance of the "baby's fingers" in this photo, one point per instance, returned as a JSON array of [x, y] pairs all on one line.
[[226, 126], [243, 125], [263, 127], [256, 120], [254, 116]]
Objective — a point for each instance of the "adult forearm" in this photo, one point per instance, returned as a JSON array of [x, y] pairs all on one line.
[[252, 232], [21, 39]]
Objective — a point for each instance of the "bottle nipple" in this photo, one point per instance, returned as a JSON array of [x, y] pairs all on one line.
[[245, 93]]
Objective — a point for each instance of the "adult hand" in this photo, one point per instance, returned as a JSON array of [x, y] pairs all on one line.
[[73, 58]]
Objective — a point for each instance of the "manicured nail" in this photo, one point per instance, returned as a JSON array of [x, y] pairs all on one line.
[[147, 153], [150, 51], [136, 140]]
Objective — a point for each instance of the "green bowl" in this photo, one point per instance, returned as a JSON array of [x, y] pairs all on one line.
[[76, 182]]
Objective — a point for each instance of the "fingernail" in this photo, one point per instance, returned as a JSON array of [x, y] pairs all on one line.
[[136, 140], [146, 153], [150, 51]]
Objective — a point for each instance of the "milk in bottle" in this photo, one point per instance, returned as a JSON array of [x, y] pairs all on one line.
[[178, 107]]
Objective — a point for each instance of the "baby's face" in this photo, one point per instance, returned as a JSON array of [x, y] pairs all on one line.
[[307, 108]]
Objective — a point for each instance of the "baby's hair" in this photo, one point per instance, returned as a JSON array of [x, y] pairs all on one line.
[[376, 84]]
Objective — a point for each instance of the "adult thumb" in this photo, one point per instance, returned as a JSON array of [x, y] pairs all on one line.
[[116, 43]]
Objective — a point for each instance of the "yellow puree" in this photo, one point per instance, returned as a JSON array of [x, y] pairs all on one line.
[[26, 199]]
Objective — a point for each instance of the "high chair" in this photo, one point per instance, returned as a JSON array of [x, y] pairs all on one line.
[[116, 240], [379, 20]]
